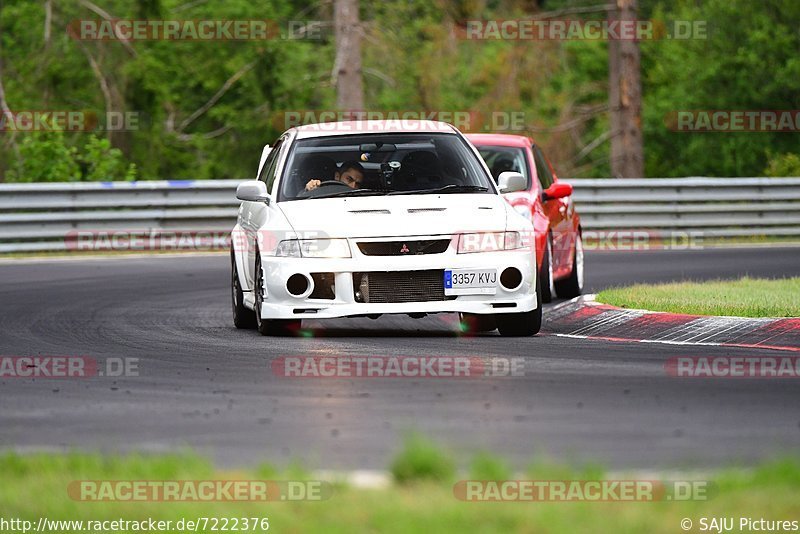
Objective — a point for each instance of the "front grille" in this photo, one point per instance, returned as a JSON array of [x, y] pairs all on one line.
[[383, 287], [403, 248]]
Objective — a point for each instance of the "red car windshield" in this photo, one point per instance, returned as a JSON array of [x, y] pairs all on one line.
[[504, 158]]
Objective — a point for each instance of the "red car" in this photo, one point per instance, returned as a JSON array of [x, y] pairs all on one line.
[[548, 202]]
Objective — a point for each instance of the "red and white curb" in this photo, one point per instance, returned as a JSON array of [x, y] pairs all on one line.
[[585, 318]]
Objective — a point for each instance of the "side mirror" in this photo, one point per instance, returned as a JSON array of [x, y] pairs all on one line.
[[557, 190], [510, 181], [252, 191]]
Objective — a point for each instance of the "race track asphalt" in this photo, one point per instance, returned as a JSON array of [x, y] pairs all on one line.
[[204, 385]]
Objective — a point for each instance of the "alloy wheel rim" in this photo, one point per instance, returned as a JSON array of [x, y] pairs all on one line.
[[234, 289], [551, 283], [579, 261], [258, 284]]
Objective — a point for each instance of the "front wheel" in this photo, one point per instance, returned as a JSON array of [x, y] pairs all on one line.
[[525, 323], [546, 272], [242, 316], [572, 286], [270, 327]]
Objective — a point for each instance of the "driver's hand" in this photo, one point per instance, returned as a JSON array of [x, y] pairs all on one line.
[[312, 184]]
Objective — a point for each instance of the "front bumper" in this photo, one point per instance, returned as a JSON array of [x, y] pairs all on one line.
[[279, 303]]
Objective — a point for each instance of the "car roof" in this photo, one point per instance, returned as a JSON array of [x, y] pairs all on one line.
[[328, 129], [498, 139]]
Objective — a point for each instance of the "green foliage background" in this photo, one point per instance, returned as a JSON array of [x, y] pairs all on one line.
[[413, 60]]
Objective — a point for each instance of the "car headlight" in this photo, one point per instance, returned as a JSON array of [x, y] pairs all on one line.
[[489, 242], [313, 248]]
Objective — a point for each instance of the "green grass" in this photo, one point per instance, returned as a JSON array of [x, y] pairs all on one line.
[[35, 485], [746, 297], [421, 460]]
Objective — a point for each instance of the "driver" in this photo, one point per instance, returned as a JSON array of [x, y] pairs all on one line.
[[350, 173]]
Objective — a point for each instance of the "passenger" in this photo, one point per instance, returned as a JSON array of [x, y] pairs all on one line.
[[350, 173]]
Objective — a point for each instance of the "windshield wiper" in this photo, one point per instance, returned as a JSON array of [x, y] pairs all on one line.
[[452, 188], [352, 193]]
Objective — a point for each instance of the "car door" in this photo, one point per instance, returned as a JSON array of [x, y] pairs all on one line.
[[253, 215], [557, 211]]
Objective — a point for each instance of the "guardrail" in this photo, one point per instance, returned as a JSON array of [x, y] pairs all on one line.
[[717, 207], [42, 217]]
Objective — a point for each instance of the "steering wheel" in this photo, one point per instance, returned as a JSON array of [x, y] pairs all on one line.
[[321, 188], [329, 183]]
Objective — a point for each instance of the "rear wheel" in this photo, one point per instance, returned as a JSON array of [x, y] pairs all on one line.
[[522, 324], [270, 327], [242, 316], [546, 271], [473, 323], [572, 286]]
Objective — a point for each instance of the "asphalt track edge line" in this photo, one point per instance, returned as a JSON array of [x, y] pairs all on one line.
[[681, 343]]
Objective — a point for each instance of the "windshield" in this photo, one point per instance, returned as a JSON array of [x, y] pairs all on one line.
[[381, 164], [500, 159]]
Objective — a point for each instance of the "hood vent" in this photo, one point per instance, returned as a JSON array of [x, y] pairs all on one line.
[[425, 210], [370, 212]]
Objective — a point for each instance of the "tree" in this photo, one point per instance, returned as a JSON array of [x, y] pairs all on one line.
[[347, 66], [625, 98]]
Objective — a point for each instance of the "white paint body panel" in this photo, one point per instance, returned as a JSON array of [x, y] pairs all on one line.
[[261, 226]]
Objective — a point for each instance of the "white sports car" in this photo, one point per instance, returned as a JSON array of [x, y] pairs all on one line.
[[363, 218]]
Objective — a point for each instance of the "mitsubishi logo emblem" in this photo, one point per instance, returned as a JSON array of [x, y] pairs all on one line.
[[404, 249]]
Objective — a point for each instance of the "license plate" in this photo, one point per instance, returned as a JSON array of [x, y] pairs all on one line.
[[470, 281]]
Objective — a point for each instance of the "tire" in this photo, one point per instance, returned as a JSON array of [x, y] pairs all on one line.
[[270, 327], [525, 323], [242, 316], [546, 271], [572, 286], [474, 323]]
